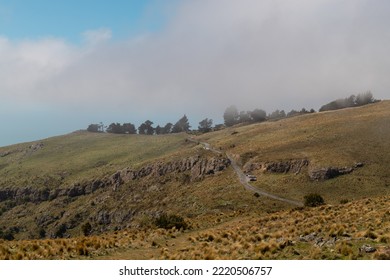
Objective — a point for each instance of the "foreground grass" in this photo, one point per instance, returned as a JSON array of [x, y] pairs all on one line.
[[326, 232]]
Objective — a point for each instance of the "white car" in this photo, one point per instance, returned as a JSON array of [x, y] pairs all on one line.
[[251, 177]]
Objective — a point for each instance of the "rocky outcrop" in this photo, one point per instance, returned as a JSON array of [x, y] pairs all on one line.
[[197, 166], [366, 248], [35, 147], [26, 151], [24, 194], [332, 172], [293, 166], [328, 173], [4, 154]]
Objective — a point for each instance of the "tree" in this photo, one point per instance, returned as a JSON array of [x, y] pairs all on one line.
[[292, 113], [181, 125], [146, 128], [205, 125], [230, 116], [129, 128], [167, 128], [115, 128], [258, 115], [93, 128], [244, 117], [142, 129], [277, 115], [101, 127], [304, 111], [158, 129], [364, 98], [149, 127]]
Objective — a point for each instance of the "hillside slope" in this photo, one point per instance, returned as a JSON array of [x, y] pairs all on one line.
[[53, 188], [297, 156]]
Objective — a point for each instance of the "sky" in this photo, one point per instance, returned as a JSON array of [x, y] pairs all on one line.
[[67, 64]]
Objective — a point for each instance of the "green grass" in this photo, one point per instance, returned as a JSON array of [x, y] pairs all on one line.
[[84, 155]]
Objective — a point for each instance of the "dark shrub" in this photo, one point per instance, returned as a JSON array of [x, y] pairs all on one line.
[[344, 201], [7, 235], [313, 200], [42, 233], [169, 221], [86, 228], [60, 231]]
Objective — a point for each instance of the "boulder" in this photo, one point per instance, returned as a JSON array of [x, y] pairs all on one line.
[[367, 249]]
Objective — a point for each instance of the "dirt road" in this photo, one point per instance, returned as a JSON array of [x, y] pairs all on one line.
[[242, 177]]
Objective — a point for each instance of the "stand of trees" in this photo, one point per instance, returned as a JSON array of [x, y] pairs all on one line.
[[126, 128], [352, 101], [231, 117], [146, 128]]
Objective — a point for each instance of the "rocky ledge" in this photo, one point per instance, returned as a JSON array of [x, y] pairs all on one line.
[[295, 166], [198, 167], [332, 172]]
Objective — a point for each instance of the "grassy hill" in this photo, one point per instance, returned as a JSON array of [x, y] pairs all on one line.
[[329, 139], [119, 185], [80, 155]]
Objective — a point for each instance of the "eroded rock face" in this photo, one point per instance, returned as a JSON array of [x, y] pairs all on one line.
[[293, 166], [332, 172], [328, 173], [197, 166]]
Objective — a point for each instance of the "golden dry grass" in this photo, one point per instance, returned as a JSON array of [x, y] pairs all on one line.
[[326, 232]]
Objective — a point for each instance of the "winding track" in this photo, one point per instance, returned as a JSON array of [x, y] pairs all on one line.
[[242, 178]]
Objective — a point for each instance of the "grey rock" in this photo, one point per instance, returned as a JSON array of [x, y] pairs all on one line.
[[367, 249], [329, 173]]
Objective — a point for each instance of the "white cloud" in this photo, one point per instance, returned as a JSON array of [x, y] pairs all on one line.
[[26, 65], [266, 54], [97, 36]]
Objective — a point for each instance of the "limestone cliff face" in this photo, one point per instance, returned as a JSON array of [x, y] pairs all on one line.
[[198, 167], [293, 166], [332, 172]]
